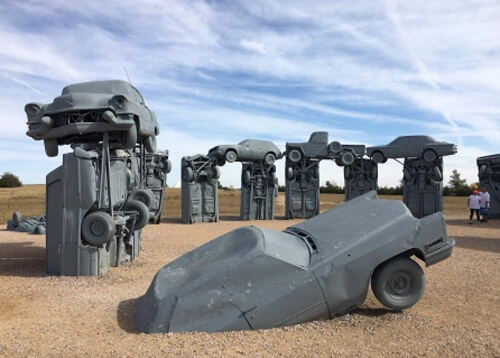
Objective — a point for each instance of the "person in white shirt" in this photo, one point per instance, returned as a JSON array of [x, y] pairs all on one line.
[[484, 204], [474, 202]]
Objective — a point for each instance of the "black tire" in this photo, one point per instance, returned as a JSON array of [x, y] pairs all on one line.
[[270, 159], [51, 147], [398, 283], [378, 157], [231, 156], [294, 156], [150, 144], [289, 173], [335, 147], [98, 228], [188, 174], [347, 158], [429, 155], [142, 211], [141, 195]]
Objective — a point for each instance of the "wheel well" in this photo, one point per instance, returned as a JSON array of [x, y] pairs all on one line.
[[409, 253]]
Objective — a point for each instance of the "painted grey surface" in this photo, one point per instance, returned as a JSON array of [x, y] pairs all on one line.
[[423, 186], [253, 278], [359, 178], [33, 225], [259, 186], [200, 192], [489, 177], [248, 150], [84, 111], [302, 171], [418, 146], [301, 188], [157, 166], [112, 184], [77, 189]]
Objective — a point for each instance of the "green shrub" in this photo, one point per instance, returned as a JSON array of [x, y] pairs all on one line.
[[9, 180]]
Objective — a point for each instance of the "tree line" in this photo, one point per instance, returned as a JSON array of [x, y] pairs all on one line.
[[456, 187]]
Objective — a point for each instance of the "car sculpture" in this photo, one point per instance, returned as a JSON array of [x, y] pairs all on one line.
[[318, 147], [251, 150], [254, 278], [418, 146], [85, 110]]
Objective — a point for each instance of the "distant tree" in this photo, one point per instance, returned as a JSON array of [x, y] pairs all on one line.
[[331, 188], [458, 186], [9, 180]]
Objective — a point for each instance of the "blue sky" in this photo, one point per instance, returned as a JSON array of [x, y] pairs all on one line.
[[218, 72]]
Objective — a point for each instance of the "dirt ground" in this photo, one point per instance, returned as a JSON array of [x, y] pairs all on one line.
[[40, 315]]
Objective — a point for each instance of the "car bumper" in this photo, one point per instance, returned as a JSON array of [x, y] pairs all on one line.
[[439, 254]]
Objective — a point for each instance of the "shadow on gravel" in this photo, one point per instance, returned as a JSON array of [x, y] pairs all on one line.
[[476, 243], [22, 259], [125, 315], [374, 312]]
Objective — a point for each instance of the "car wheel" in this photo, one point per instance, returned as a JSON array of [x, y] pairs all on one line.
[[150, 144], [429, 155], [270, 159], [16, 218], [39, 230], [98, 228], [51, 147], [167, 166], [130, 138], [221, 162], [347, 158], [216, 173], [231, 156], [398, 283], [294, 156], [246, 177], [289, 173], [188, 174], [378, 157], [335, 147], [142, 211], [141, 195]]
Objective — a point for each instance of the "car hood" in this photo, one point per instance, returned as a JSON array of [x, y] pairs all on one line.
[[338, 230], [210, 288]]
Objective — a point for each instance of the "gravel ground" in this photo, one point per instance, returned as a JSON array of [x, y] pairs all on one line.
[[40, 315]]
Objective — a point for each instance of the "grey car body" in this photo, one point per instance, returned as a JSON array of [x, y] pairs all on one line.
[[418, 146], [254, 278], [318, 147], [248, 150], [85, 110]]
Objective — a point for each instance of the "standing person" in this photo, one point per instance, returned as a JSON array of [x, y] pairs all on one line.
[[484, 205], [474, 202]]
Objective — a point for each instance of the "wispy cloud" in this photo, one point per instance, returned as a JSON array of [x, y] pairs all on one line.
[[228, 70]]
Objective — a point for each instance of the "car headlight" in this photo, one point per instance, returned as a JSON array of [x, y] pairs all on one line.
[[32, 109], [119, 101]]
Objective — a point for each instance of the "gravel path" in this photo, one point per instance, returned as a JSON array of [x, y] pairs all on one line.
[[44, 316]]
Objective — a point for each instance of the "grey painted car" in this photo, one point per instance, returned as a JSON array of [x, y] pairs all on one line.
[[251, 150], [254, 278], [418, 146], [85, 110]]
